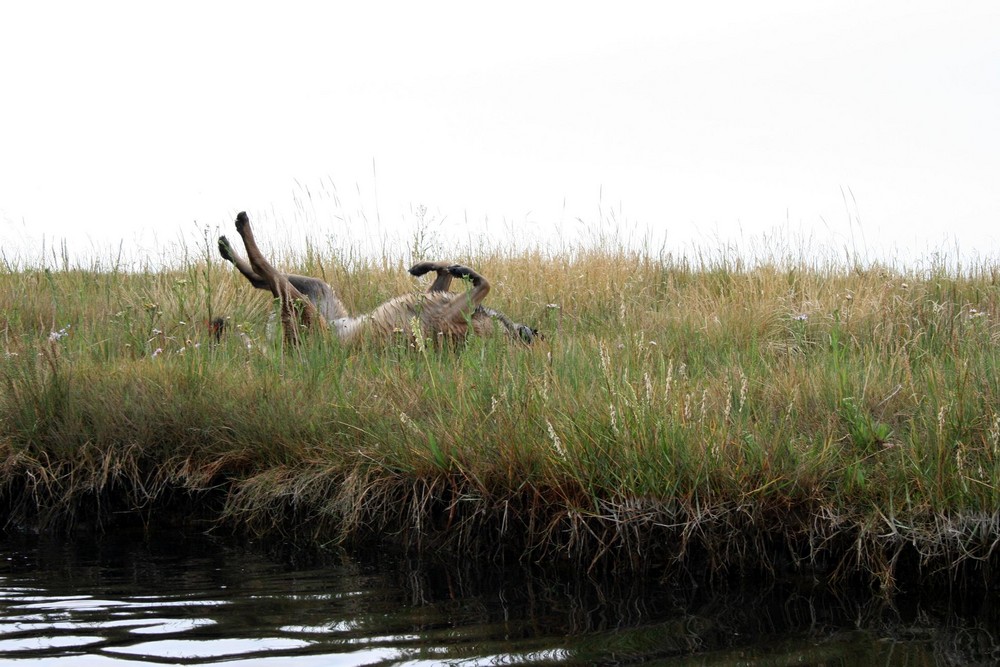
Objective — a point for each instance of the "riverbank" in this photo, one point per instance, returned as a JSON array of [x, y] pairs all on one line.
[[714, 416]]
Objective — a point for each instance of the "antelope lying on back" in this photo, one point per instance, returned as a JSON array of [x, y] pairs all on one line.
[[312, 302]]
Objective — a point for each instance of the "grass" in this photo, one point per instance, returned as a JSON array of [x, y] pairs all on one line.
[[711, 414]]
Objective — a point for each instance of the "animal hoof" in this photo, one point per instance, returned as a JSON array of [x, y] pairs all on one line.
[[421, 268], [459, 271], [242, 220], [225, 249]]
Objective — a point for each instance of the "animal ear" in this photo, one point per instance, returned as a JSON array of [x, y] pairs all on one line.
[[528, 335]]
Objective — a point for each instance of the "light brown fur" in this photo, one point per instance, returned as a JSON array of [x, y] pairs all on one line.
[[308, 303]]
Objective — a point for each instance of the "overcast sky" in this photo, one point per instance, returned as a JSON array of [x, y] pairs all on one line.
[[133, 125]]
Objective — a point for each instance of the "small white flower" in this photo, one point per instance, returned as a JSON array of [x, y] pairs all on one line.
[[157, 352], [552, 306], [801, 317], [56, 335]]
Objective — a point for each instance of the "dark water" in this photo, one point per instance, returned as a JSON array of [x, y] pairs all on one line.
[[124, 600]]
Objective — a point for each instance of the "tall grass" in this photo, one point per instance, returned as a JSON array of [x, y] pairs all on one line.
[[706, 413]]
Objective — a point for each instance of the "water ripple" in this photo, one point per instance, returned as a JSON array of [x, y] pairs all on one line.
[[112, 603]]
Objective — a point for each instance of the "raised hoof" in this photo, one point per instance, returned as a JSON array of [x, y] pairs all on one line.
[[460, 271], [242, 220], [421, 268], [225, 249]]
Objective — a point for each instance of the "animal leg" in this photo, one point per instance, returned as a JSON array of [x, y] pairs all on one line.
[[294, 305], [229, 254], [443, 281], [460, 309], [319, 293]]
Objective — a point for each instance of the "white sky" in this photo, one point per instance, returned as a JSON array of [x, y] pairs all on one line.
[[133, 125]]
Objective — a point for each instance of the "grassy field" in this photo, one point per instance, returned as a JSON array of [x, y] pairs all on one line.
[[681, 413]]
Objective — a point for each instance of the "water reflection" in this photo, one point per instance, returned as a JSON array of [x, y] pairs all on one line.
[[122, 599]]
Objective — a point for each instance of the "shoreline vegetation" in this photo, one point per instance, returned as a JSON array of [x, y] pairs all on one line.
[[681, 417]]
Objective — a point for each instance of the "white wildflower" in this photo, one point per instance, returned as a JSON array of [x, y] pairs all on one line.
[[56, 335]]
